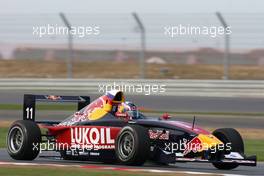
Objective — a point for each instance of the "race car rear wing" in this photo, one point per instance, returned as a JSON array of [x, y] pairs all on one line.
[[30, 100]]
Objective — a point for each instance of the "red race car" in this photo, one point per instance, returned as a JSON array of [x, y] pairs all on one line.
[[113, 130]]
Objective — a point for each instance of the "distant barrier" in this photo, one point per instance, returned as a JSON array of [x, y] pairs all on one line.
[[209, 88]]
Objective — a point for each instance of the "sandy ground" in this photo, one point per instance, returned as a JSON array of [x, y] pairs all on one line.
[[57, 69]]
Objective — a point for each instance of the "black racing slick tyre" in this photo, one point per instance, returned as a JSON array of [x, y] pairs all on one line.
[[232, 136], [23, 140], [132, 145]]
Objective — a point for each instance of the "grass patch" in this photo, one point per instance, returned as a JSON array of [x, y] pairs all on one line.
[[73, 107], [255, 147], [3, 134], [69, 171], [50, 106]]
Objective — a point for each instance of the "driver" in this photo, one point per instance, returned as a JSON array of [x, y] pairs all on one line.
[[128, 110]]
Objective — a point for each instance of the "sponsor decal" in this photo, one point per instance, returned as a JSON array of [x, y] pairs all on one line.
[[159, 134], [53, 97], [79, 117], [92, 138]]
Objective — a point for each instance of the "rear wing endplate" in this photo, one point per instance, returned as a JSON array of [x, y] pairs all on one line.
[[30, 103]]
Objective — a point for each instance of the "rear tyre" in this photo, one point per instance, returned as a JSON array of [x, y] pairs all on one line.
[[132, 145], [229, 135], [23, 140]]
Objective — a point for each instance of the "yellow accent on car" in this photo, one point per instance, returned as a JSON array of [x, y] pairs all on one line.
[[107, 107], [97, 114], [208, 141]]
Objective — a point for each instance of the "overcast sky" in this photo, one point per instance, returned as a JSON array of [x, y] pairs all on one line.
[[127, 6], [247, 29]]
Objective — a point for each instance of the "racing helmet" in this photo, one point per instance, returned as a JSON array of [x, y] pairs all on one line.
[[131, 109]]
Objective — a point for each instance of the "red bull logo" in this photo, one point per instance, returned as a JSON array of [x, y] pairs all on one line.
[[158, 134], [194, 145]]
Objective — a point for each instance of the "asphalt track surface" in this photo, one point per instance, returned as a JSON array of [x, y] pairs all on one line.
[[162, 103], [165, 103], [201, 120], [191, 167]]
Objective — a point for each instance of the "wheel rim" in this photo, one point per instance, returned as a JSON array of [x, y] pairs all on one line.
[[15, 139], [126, 145]]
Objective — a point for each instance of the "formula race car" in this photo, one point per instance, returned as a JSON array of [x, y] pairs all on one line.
[[112, 130]]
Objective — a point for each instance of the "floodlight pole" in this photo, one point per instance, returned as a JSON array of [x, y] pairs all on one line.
[[70, 46], [143, 45], [227, 47]]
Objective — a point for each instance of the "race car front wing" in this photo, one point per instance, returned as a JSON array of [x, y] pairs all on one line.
[[233, 157]]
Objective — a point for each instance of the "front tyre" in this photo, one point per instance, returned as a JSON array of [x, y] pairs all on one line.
[[232, 136], [132, 145], [23, 140]]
